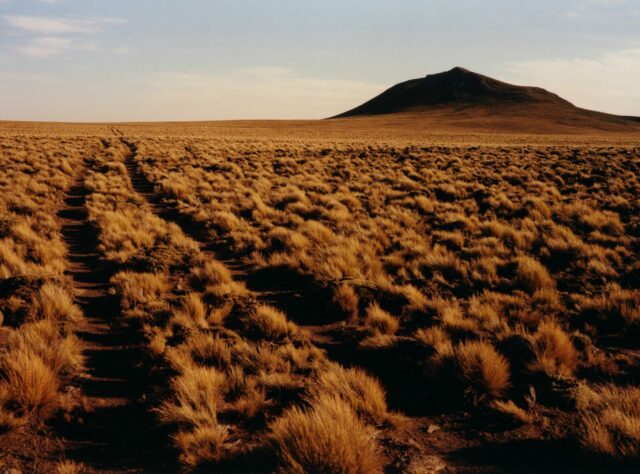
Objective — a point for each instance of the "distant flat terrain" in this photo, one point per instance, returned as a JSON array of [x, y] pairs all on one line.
[[399, 127]]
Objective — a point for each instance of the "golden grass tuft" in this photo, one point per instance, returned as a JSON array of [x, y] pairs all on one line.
[[555, 353], [379, 321], [193, 409], [62, 354], [610, 421], [70, 467], [484, 370], [326, 437], [198, 390], [531, 275], [512, 412], [346, 298], [357, 388], [270, 323], [53, 303], [30, 384], [201, 444]]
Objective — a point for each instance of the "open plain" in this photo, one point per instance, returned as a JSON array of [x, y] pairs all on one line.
[[353, 295]]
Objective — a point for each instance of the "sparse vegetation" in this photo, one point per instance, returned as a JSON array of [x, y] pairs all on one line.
[[40, 357], [312, 305]]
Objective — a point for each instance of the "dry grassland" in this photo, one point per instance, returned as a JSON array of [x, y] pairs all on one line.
[[321, 304], [39, 354]]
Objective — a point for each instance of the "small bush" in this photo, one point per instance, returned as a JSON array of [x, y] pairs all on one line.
[[531, 275], [554, 350], [53, 303], [270, 323], [379, 321], [485, 372], [31, 385], [361, 391], [347, 300], [326, 437], [610, 421], [196, 394]]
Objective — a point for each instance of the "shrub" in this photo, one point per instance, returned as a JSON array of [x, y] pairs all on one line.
[[53, 303], [554, 350], [62, 354], [196, 394], [347, 300], [269, 322], [531, 275], [610, 421], [379, 321], [30, 384], [361, 391], [326, 437], [485, 372]]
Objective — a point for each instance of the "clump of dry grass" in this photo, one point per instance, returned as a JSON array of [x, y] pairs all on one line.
[[270, 323], [616, 308], [379, 321], [61, 353], [141, 294], [197, 394], [70, 467], [532, 275], [346, 298], [193, 313], [484, 371], [215, 279], [555, 353], [512, 412], [201, 444], [326, 437], [30, 384], [53, 303], [362, 392], [610, 421]]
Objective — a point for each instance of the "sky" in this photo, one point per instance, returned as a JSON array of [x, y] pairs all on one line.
[[147, 60]]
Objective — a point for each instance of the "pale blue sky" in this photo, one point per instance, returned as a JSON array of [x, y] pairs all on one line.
[[103, 60]]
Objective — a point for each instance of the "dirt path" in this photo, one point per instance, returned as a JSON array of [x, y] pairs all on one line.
[[114, 432], [144, 188]]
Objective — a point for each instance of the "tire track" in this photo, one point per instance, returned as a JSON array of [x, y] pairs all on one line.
[[289, 293], [113, 432]]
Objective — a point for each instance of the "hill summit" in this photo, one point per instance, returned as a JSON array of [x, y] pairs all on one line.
[[462, 100], [458, 86]]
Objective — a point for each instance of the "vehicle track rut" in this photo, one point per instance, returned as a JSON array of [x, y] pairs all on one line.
[[113, 432], [325, 335]]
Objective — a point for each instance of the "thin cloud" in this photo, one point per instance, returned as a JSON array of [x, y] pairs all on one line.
[[54, 36], [51, 26], [608, 82], [46, 46]]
